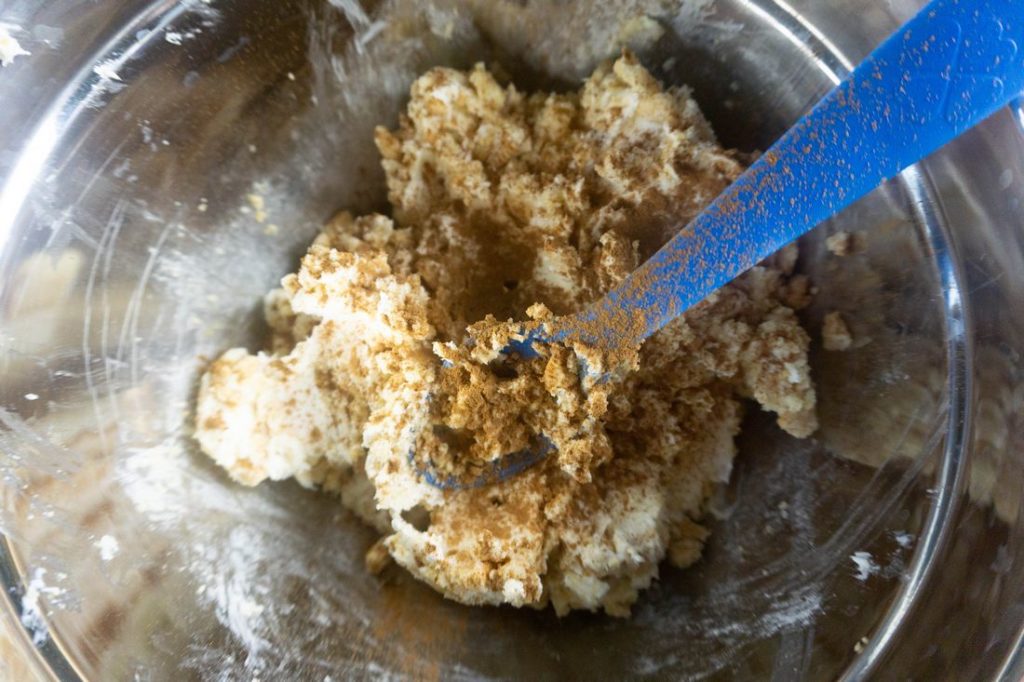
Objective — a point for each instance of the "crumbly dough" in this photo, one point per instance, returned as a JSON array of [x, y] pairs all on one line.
[[840, 243], [835, 335], [506, 207]]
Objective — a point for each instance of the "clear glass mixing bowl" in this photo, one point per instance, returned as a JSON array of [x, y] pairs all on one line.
[[130, 141]]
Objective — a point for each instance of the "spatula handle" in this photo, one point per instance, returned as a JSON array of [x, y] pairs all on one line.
[[949, 68]]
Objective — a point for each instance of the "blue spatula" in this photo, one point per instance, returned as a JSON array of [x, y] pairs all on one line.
[[946, 70]]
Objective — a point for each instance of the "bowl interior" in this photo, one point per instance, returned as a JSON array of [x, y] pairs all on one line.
[[135, 257]]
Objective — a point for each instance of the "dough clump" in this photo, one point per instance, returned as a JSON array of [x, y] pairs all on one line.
[[385, 351]]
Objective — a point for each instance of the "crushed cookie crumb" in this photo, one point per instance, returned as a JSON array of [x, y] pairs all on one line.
[[840, 244], [835, 335], [377, 558]]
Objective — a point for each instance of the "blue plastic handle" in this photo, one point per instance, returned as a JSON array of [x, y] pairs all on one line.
[[949, 68]]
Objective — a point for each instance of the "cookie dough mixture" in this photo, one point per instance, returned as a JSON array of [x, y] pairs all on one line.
[[384, 361]]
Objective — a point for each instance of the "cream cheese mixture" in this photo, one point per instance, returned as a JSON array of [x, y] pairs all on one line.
[[384, 352]]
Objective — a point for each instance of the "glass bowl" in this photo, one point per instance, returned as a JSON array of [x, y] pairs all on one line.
[[134, 135]]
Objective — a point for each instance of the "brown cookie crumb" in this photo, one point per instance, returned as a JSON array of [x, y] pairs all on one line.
[[835, 335], [840, 244]]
